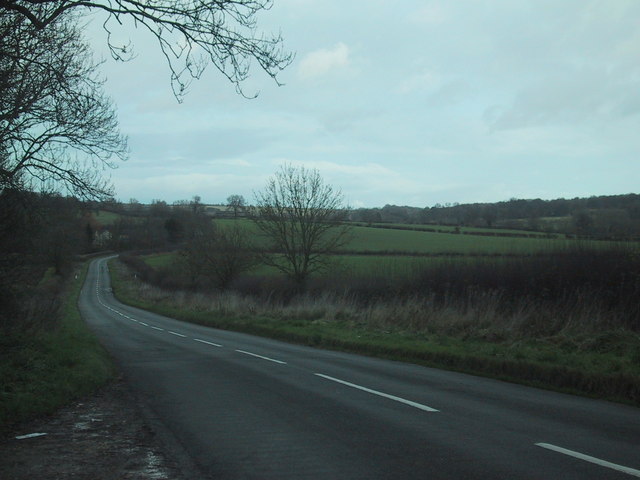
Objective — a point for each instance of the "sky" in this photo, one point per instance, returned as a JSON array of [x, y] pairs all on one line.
[[406, 103]]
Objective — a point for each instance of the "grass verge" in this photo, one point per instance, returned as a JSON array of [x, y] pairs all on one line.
[[43, 371], [601, 366]]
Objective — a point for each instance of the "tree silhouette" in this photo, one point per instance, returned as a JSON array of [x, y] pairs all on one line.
[[190, 33], [58, 127], [303, 217]]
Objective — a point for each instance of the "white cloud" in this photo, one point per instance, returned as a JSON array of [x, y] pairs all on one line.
[[231, 162], [418, 82], [573, 97], [363, 179], [355, 170], [212, 187], [432, 14], [320, 62]]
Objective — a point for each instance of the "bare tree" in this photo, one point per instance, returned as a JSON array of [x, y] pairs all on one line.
[[237, 203], [303, 217], [190, 33], [57, 125], [218, 253], [197, 208]]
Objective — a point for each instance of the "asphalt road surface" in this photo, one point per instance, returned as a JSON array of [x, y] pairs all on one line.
[[239, 406]]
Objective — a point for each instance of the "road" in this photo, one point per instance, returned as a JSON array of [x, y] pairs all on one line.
[[240, 406]]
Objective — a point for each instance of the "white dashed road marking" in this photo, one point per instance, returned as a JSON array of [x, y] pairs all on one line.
[[260, 356], [587, 458], [208, 343], [381, 394]]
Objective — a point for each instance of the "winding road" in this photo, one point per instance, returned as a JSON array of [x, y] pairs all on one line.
[[239, 406]]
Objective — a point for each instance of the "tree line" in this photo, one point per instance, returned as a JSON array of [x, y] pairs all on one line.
[[604, 216]]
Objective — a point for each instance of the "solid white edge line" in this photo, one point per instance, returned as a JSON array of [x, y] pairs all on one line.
[[381, 394], [260, 356], [177, 334], [588, 458], [208, 343]]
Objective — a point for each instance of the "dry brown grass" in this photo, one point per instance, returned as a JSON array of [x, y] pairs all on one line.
[[481, 315]]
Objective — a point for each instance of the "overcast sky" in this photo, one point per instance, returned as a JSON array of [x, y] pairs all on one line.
[[406, 103]]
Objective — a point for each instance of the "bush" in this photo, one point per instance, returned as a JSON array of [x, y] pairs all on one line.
[[580, 288]]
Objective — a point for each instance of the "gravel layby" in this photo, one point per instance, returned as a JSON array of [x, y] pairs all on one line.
[[103, 437]]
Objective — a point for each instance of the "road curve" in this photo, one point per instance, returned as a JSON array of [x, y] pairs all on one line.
[[241, 406]]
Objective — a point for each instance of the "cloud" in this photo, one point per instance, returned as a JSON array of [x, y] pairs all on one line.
[[211, 186], [573, 97], [337, 168], [363, 179], [449, 94], [441, 90], [418, 82], [323, 61], [431, 14], [231, 162], [193, 148]]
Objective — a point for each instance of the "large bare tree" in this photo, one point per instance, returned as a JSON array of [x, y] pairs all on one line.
[[57, 125], [303, 218], [190, 33]]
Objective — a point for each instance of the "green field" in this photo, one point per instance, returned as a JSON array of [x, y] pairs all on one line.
[[160, 260], [449, 228], [371, 239], [396, 251], [368, 239], [106, 218], [388, 265]]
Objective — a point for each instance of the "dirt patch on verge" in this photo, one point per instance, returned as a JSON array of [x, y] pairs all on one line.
[[101, 437]]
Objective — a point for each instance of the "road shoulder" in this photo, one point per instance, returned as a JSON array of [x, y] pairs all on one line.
[[104, 436]]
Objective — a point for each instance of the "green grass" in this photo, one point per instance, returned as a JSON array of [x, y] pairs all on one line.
[[399, 265], [355, 264], [604, 366], [370, 239], [407, 241], [106, 218], [160, 260], [450, 229], [41, 372]]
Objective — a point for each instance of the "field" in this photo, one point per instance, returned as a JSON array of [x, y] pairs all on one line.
[[399, 251], [452, 229], [399, 240], [106, 218], [368, 239], [362, 264]]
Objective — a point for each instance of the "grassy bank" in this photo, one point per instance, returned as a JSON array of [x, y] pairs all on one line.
[[50, 366], [575, 350]]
